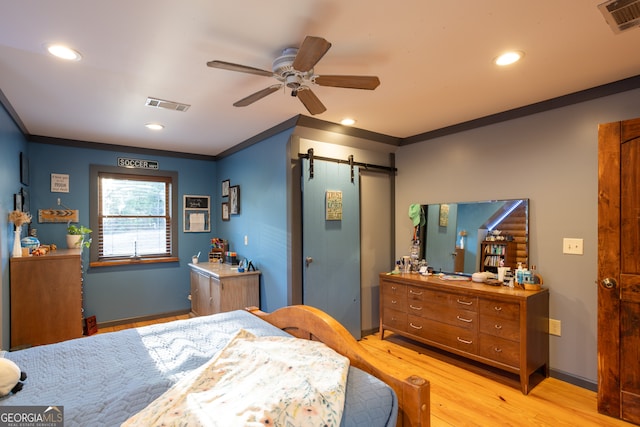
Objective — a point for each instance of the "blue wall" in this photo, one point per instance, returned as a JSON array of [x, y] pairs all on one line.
[[261, 172], [12, 143], [115, 293], [123, 292]]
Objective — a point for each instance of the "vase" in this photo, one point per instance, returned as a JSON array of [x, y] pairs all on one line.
[[74, 241], [17, 248]]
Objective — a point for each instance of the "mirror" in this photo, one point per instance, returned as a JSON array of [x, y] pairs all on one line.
[[475, 236]]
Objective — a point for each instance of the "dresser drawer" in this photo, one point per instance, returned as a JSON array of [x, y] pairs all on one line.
[[415, 293], [498, 327], [394, 319], [442, 333], [396, 302], [444, 313], [394, 289], [501, 309], [500, 350]]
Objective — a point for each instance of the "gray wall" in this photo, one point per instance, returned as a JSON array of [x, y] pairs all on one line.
[[552, 159]]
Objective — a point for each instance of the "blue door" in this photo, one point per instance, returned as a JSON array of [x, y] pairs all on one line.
[[331, 247]]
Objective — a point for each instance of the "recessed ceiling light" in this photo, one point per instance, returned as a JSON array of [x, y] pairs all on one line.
[[64, 52], [348, 122], [508, 58], [154, 126]]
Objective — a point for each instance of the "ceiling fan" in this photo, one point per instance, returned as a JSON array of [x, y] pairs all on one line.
[[294, 69]]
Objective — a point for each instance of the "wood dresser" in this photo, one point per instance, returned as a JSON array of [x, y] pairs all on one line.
[[217, 287], [46, 298], [497, 326]]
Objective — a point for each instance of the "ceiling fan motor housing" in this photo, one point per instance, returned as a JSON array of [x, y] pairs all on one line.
[[283, 69]]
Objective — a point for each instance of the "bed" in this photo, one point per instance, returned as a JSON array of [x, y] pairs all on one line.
[[106, 379]]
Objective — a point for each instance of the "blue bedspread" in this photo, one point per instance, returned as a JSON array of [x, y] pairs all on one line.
[[104, 379]]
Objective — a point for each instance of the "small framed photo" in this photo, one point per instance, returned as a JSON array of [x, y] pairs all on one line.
[[25, 199], [225, 211], [17, 201], [24, 169], [225, 187], [234, 200]]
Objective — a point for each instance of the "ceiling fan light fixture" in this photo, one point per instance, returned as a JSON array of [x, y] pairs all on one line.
[[63, 52], [509, 58], [154, 126], [347, 121]]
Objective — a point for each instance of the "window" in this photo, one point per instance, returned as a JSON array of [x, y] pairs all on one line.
[[133, 216]]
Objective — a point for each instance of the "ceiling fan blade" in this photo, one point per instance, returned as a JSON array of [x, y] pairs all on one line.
[[351, 82], [311, 101], [311, 51], [237, 67], [256, 96]]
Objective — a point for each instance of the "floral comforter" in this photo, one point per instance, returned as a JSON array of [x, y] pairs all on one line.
[[270, 381]]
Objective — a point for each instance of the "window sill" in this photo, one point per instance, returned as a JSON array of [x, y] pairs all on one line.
[[132, 261]]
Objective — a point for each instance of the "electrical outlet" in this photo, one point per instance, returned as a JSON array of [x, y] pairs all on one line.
[[555, 327], [246, 240], [572, 246]]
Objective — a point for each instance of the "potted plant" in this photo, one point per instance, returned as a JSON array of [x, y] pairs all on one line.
[[77, 236]]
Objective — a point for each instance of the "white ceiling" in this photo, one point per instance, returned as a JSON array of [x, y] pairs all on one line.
[[433, 58]]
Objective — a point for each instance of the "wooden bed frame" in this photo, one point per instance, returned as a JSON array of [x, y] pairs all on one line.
[[308, 322]]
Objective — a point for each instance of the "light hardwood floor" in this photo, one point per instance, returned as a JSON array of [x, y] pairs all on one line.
[[462, 398]]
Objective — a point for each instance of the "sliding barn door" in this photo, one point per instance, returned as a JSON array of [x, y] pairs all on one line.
[[619, 270], [331, 240]]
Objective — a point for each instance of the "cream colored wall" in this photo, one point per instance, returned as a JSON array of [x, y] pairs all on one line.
[[550, 158]]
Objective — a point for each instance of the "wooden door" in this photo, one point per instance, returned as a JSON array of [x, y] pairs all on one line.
[[619, 270]]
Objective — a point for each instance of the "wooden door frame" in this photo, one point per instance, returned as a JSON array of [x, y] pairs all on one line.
[[609, 149]]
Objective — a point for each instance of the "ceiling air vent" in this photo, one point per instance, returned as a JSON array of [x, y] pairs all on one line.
[[621, 15], [167, 105]]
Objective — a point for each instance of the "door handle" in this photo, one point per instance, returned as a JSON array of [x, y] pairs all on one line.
[[609, 283], [308, 260]]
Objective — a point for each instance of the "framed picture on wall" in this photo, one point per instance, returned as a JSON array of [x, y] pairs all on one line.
[[196, 214], [234, 200], [225, 188], [225, 211], [24, 169], [25, 199]]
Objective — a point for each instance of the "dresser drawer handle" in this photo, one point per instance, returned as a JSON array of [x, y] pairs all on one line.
[[393, 301], [413, 307], [414, 326], [462, 319], [497, 350], [498, 326], [464, 302], [497, 308], [393, 288], [464, 341], [412, 292]]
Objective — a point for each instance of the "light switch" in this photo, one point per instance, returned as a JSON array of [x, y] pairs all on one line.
[[572, 246], [246, 240]]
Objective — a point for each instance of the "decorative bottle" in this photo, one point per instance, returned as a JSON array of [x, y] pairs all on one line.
[[17, 248]]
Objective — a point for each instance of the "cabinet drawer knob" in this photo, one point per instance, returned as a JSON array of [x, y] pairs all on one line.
[[498, 326], [462, 319], [412, 292], [393, 288], [393, 301], [413, 307], [497, 308], [464, 341], [464, 302], [414, 326], [497, 350]]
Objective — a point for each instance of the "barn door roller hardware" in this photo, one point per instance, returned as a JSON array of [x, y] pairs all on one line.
[[309, 155]]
